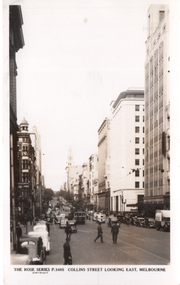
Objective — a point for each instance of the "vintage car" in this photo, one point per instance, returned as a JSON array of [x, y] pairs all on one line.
[[72, 224], [30, 251], [45, 237], [139, 222], [41, 222], [101, 218], [57, 219], [111, 220], [63, 222], [40, 228], [149, 223]]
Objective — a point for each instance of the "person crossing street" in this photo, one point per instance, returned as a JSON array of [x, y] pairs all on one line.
[[100, 233]]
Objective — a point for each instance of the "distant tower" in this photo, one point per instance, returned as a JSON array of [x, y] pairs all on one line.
[[70, 157]]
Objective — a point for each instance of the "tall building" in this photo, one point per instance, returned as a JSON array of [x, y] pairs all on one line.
[[103, 157], [157, 108], [27, 174], [16, 42], [93, 180], [36, 142], [127, 151]]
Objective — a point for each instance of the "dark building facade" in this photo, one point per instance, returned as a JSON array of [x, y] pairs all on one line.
[[16, 42]]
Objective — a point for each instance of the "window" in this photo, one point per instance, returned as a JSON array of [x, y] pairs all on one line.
[[137, 173], [143, 129], [136, 161], [136, 150], [136, 107], [143, 140], [161, 15], [25, 164], [136, 118], [136, 140], [136, 129], [136, 184], [25, 177]]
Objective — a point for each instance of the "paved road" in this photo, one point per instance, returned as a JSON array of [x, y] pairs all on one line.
[[138, 246]]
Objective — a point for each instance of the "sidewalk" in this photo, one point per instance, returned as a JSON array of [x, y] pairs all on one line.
[[25, 230]]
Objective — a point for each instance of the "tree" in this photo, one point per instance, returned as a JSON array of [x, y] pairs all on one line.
[[48, 194]]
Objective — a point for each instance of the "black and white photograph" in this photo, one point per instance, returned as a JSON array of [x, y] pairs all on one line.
[[91, 142]]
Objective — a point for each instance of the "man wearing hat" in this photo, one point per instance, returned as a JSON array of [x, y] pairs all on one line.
[[114, 231], [67, 253], [100, 232]]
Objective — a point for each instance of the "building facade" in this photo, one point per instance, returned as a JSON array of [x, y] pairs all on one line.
[[27, 174], [157, 108], [93, 180], [127, 151], [103, 156], [16, 42]]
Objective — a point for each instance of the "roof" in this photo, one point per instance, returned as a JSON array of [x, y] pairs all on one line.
[[24, 122], [133, 93]]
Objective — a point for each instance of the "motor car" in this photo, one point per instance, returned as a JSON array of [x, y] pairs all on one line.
[[95, 215], [41, 222], [149, 223], [45, 238], [139, 222], [40, 228], [62, 224], [101, 218], [72, 224], [30, 251]]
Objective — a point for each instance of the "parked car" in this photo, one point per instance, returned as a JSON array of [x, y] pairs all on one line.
[[40, 228], [62, 224], [162, 220], [72, 224], [57, 219], [30, 251], [45, 238], [149, 223], [139, 222]]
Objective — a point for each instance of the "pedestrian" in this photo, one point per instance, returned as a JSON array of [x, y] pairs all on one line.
[[114, 231], [67, 253], [48, 227], [18, 234], [100, 232], [68, 230]]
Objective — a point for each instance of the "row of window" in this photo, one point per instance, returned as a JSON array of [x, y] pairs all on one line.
[[137, 129], [137, 118], [137, 161], [137, 140], [137, 184], [137, 151]]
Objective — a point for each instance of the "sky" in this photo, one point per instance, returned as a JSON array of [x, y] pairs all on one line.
[[78, 57]]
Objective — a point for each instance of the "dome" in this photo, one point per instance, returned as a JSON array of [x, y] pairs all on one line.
[[24, 122]]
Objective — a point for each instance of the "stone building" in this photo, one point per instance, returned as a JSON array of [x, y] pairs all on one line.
[[157, 108]]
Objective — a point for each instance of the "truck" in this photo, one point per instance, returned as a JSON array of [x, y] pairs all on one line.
[[162, 220]]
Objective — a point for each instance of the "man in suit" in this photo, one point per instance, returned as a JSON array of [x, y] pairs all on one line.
[[100, 232], [114, 231], [67, 253]]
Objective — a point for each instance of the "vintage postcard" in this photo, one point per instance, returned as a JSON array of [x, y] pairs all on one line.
[[91, 142]]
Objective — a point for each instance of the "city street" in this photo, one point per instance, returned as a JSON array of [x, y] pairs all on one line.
[[135, 245]]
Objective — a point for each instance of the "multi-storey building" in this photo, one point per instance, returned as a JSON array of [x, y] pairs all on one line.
[[16, 42], [36, 143], [127, 151], [103, 157], [157, 108], [27, 173], [85, 182], [93, 180]]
